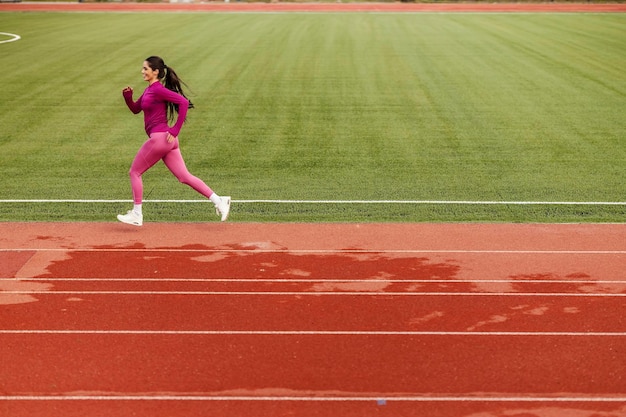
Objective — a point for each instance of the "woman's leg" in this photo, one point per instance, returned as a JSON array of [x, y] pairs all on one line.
[[149, 154], [175, 163]]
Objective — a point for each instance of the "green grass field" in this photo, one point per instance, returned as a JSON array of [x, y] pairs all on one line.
[[446, 107]]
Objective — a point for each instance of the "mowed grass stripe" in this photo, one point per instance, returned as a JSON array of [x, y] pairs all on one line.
[[325, 107]]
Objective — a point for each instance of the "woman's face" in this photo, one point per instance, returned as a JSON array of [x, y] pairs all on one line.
[[148, 73]]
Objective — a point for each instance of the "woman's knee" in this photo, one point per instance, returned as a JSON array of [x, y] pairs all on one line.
[[185, 179]]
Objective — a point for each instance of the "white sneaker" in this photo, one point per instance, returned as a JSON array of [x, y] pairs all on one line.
[[131, 218], [223, 208]]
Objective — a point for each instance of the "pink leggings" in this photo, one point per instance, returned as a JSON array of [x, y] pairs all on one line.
[[155, 149]]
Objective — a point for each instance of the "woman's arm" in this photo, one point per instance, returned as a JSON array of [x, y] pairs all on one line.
[[134, 106]]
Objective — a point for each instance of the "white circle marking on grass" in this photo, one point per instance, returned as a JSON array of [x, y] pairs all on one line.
[[13, 37]]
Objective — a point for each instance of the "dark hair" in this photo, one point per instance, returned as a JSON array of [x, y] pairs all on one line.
[[171, 82]]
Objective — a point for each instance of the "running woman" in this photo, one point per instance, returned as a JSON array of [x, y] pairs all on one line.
[[160, 103]]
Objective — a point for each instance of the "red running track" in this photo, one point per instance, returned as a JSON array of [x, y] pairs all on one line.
[[312, 320], [280, 7]]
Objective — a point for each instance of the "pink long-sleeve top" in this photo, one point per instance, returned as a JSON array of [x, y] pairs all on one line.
[[153, 102]]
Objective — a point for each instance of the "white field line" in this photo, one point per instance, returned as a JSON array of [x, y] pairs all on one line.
[[13, 37], [464, 202], [381, 399], [304, 333]]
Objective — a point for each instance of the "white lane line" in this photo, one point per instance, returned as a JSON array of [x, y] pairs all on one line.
[[322, 251], [305, 333], [418, 398], [329, 280], [320, 293]]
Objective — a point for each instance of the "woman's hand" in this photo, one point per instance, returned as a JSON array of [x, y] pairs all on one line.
[[171, 138], [128, 91]]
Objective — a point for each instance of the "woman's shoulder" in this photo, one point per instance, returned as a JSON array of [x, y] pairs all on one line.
[[167, 94], [157, 90], [154, 86]]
